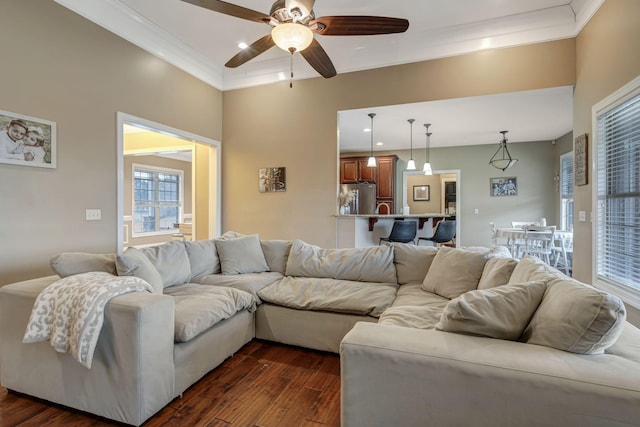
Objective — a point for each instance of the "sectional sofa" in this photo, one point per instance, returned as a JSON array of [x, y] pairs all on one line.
[[425, 335]]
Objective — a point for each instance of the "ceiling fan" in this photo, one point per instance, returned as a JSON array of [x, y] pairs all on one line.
[[293, 24]]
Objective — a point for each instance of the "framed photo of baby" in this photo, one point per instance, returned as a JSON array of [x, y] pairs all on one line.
[[27, 141]]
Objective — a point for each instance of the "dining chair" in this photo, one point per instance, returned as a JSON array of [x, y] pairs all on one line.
[[563, 251], [402, 232], [538, 242]]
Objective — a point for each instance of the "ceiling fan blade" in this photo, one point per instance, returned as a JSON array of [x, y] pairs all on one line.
[[319, 60], [250, 52], [359, 25], [231, 9]]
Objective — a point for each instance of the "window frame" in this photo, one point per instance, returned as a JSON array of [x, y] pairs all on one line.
[[630, 90], [155, 169]]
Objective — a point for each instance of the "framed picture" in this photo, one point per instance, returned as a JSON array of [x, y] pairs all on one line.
[[421, 193], [504, 186], [27, 141], [272, 180], [580, 156]]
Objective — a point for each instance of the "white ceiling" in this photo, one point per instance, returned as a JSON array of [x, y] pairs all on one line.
[[200, 41]]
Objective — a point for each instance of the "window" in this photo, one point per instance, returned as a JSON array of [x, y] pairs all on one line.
[[157, 199], [566, 191], [617, 225]]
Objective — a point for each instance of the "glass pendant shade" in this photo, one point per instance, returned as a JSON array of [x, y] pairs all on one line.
[[427, 166], [502, 158], [411, 165], [427, 169], [371, 163], [291, 36]]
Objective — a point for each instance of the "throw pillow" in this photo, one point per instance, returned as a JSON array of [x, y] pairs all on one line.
[[203, 257], [171, 261], [276, 253], [412, 261], [70, 263], [496, 272], [501, 312], [454, 272], [577, 318], [241, 255], [134, 263]]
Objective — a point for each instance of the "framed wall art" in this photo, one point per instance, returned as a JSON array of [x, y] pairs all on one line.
[[27, 141], [272, 180], [421, 193], [581, 157], [507, 186]]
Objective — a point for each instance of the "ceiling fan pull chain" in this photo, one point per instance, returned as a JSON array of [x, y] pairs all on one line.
[[292, 50]]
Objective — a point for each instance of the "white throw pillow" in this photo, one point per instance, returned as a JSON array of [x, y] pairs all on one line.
[[501, 312], [241, 255], [454, 271], [496, 272]]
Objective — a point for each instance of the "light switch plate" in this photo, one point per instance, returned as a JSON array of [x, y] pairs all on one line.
[[93, 215], [582, 216]]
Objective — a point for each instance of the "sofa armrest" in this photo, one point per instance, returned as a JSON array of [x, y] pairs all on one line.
[[132, 375], [401, 376]]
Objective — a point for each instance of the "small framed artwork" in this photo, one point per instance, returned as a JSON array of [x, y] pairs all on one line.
[[421, 193], [272, 180], [504, 186], [27, 141], [580, 155]]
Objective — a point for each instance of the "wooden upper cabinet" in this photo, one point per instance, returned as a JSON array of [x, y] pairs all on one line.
[[365, 173], [386, 172], [348, 171]]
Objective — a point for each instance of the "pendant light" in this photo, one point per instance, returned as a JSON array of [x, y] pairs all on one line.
[[411, 164], [427, 166], [371, 163], [504, 161]]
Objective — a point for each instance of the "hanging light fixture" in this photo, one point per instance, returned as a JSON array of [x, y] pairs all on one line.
[[503, 161], [371, 163], [291, 36], [427, 166], [411, 164]]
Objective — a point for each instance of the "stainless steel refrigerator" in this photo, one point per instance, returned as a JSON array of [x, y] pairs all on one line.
[[364, 201]]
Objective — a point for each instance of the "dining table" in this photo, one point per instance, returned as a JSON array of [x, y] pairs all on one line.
[[513, 238]]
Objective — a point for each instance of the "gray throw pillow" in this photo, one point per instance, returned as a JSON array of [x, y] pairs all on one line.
[[70, 263], [241, 255], [203, 257], [501, 312], [134, 263], [276, 253], [171, 261]]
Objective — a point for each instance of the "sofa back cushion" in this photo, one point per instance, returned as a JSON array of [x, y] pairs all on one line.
[[502, 312], [276, 253], [412, 262], [133, 262], [203, 257], [171, 261], [530, 267], [372, 264], [70, 263], [577, 318], [454, 271], [496, 272], [239, 255]]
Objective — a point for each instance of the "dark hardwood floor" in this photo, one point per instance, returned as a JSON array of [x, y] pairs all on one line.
[[264, 384]]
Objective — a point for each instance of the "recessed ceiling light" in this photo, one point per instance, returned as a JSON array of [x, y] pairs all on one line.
[[243, 45], [379, 143], [366, 130]]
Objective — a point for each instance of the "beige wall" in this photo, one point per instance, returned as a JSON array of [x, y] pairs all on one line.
[[297, 128], [607, 57], [68, 70]]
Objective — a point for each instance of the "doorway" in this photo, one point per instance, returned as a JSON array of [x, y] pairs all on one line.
[[195, 162]]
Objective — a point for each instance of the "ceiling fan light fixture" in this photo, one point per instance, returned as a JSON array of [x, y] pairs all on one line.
[[290, 36]]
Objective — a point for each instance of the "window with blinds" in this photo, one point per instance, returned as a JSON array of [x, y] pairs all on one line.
[[618, 195], [157, 199], [566, 191]]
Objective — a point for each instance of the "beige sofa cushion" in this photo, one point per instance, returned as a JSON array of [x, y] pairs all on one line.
[[324, 294], [412, 262], [239, 255], [576, 317], [502, 312], [276, 253], [133, 262], [248, 282], [70, 263], [372, 264], [532, 268], [497, 271], [454, 271], [171, 261], [413, 316], [203, 257]]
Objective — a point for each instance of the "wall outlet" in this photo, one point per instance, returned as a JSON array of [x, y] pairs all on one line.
[[582, 216], [476, 211], [93, 215]]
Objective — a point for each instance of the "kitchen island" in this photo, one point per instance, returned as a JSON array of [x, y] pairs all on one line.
[[357, 231]]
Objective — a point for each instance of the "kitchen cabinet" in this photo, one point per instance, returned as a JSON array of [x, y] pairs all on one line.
[[355, 169]]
